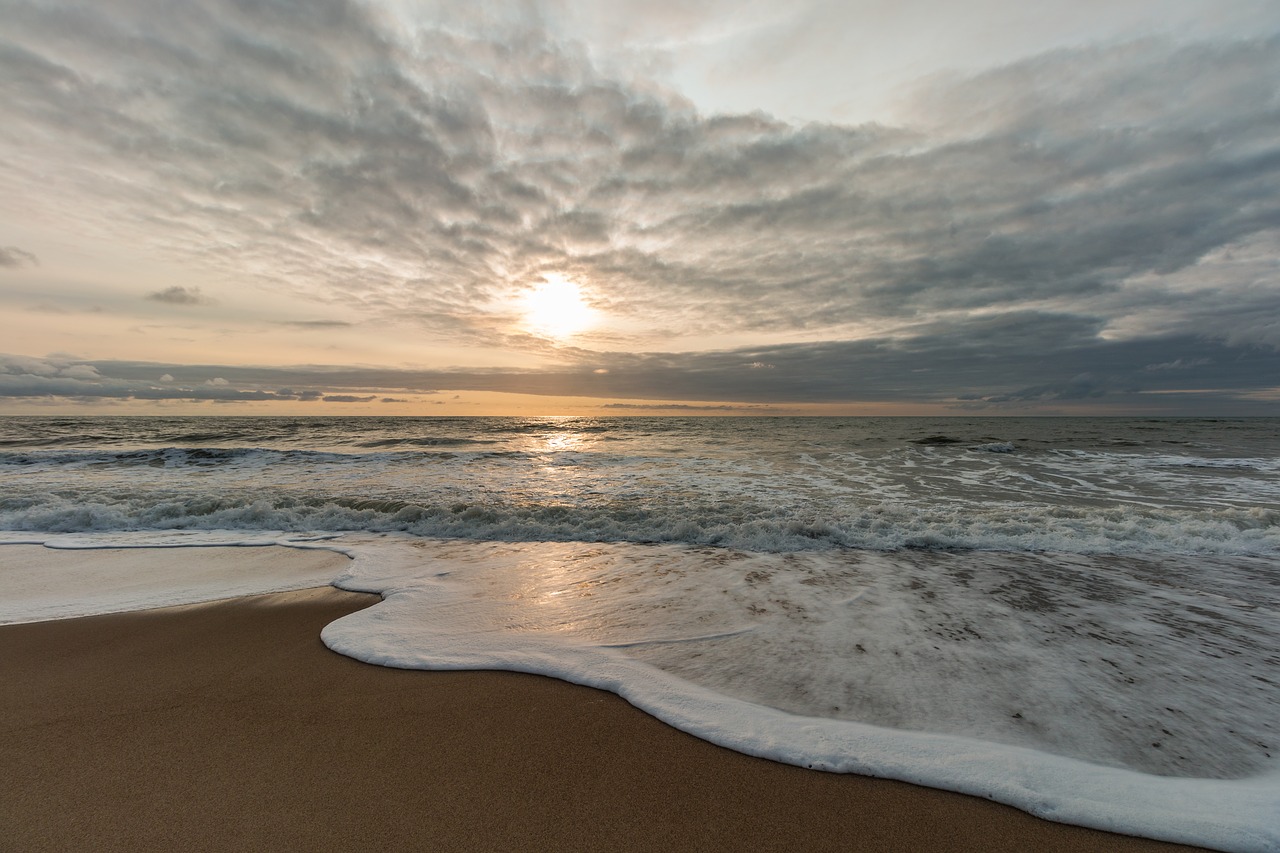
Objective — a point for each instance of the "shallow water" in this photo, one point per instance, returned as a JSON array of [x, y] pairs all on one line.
[[1162, 666]]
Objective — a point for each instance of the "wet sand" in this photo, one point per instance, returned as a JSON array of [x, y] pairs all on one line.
[[229, 726]]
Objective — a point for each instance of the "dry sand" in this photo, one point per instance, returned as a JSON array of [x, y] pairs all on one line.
[[229, 726]]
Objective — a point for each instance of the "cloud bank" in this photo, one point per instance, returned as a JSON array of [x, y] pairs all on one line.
[[982, 371]]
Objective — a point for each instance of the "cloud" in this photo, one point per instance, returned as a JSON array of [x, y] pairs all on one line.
[[38, 367], [178, 295], [307, 396], [975, 365], [1177, 364], [11, 257], [80, 371], [413, 173], [1096, 202], [317, 324], [75, 379]]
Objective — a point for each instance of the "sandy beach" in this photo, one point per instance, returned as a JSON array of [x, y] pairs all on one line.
[[229, 726]]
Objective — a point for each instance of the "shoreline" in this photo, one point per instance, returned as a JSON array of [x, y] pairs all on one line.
[[229, 725]]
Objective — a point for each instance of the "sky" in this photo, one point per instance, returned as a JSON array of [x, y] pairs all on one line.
[[402, 207]]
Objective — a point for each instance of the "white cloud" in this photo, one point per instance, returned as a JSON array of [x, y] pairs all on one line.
[[79, 371]]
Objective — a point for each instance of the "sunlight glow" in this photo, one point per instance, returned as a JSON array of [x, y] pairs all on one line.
[[556, 309]]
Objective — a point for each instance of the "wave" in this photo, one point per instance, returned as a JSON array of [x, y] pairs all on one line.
[[203, 457], [167, 457], [425, 442], [937, 440], [878, 527], [998, 447]]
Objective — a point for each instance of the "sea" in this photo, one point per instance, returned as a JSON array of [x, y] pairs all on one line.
[[1076, 616]]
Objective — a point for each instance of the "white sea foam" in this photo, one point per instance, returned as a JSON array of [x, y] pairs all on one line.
[[151, 571], [1040, 685]]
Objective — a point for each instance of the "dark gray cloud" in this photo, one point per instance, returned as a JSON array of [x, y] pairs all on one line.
[[71, 378], [14, 258], [1071, 212], [178, 295], [979, 366], [304, 396], [988, 364]]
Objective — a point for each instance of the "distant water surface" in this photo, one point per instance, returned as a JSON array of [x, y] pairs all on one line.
[[762, 484]]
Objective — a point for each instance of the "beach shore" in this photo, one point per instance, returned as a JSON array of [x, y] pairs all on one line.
[[229, 726]]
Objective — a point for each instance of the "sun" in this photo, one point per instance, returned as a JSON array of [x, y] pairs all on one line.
[[556, 309]]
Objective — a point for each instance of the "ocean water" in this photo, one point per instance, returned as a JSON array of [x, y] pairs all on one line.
[[1079, 617]]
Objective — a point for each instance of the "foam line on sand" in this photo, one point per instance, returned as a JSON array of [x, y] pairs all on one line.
[[56, 580]]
